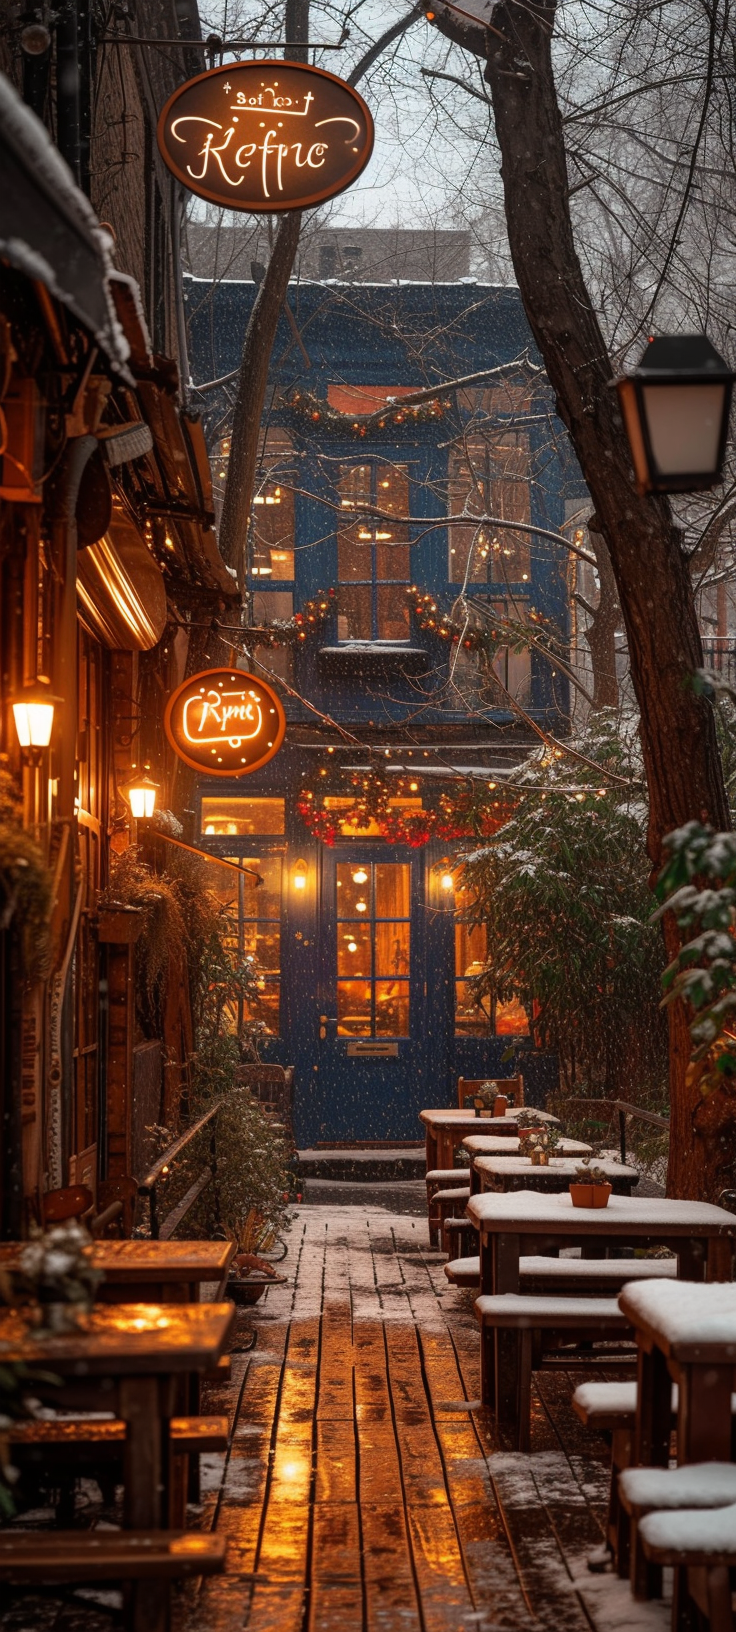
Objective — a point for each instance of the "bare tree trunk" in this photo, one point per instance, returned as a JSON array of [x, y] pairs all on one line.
[[251, 395], [681, 759], [604, 621]]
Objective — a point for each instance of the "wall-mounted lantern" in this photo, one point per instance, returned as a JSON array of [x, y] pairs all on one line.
[[34, 719], [675, 408], [299, 875], [447, 882], [141, 796]]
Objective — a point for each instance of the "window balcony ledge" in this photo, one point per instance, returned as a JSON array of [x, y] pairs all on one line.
[[374, 657]]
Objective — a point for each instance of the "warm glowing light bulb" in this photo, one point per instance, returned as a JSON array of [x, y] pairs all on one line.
[[361, 906], [34, 718], [352, 946], [300, 875], [447, 881], [361, 876], [142, 797]]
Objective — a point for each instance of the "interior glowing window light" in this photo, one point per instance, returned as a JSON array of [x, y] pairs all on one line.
[[361, 876], [361, 906], [352, 946], [210, 828], [259, 499]]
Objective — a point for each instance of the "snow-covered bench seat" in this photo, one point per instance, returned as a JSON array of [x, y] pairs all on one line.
[[442, 1178], [695, 1484], [464, 1272], [586, 1275], [700, 1544], [584, 1319], [459, 1235]]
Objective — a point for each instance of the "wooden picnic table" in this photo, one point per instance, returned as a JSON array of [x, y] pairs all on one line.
[[445, 1129], [500, 1174], [702, 1236], [480, 1145], [687, 1334], [128, 1359], [149, 1271]]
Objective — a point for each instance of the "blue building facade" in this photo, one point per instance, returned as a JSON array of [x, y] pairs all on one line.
[[407, 422]]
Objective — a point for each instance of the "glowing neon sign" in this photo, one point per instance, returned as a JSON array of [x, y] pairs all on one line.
[[225, 722], [262, 136]]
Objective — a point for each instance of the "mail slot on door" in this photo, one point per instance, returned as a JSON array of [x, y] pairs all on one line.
[[380, 1050]]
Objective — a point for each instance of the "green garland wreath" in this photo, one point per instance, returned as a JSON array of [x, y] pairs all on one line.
[[462, 812]]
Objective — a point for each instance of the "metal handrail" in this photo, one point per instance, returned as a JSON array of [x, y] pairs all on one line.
[[147, 1186], [625, 1109]]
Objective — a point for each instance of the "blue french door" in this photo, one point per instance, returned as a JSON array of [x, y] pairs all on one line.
[[371, 1057]]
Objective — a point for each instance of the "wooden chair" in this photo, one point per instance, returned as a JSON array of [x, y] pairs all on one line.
[[144, 1561], [71, 1202], [513, 1087], [110, 1192]]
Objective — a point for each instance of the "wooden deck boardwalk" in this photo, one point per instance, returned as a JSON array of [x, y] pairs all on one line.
[[363, 1491]]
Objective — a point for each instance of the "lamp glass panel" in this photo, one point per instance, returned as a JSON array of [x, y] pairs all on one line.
[[684, 424], [33, 723]]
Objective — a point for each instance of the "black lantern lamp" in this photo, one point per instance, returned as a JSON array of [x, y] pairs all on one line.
[[675, 409]]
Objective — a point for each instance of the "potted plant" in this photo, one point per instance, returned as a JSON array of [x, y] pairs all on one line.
[[488, 1098], [57, 1272], [528, 1126], [592, 1187]]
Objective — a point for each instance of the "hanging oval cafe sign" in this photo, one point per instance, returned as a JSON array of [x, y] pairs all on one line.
[[262, 136], [225, 722]]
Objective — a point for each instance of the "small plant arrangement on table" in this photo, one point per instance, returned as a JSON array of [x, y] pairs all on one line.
[[488, 1097], [57, 1279], [592, 1187], [530, 1127]]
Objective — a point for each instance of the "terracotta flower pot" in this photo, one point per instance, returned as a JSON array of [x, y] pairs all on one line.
[[525, 1134], [500, 1105], [590, 1195]]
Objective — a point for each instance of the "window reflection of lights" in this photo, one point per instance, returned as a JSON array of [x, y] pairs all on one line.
[[361, 906], [352, 946], [365, 536], [209, 828], [383, 535], [385, 484], [361, 876]]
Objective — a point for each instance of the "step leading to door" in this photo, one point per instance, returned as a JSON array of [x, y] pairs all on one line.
[[363, 1166]]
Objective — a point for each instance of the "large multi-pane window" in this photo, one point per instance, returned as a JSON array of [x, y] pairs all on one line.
[[251, 899], [373, 949], [373, 554], [474, 1016], [490, 478]]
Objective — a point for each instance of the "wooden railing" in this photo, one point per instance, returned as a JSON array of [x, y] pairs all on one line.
[[625, 1109], [160, 1171]]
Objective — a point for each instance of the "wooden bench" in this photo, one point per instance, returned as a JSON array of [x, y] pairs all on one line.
[[539, 1321], [189, 1435], [459, 1237], [441, 1178], [586, 1275], [69, 1448], [701, 1548], [146, 1562], [449, 1203]]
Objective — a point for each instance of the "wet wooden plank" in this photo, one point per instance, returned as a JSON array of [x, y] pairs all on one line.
[[336, 1472], [336, 1588]]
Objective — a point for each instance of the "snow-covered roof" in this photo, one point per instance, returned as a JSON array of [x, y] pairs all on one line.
[[48, 229]]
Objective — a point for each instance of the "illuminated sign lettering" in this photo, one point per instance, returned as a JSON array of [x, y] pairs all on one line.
[[262, 136], [225, 722]]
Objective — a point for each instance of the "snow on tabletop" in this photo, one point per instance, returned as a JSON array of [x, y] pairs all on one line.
[[685, 1311], [626, 1212], [692, 1530], [495, 1145], [565, 1164], [606, 1397], [462, 1266], [698, 1484]]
